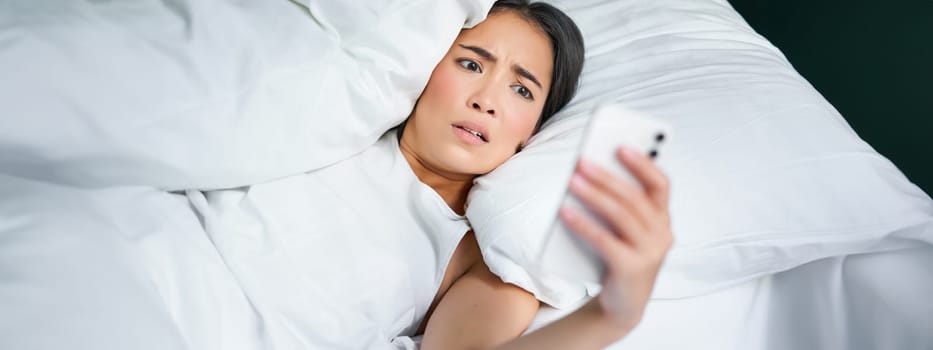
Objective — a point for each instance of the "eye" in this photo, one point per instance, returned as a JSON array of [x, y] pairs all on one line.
[[523, 91], [470, 65]]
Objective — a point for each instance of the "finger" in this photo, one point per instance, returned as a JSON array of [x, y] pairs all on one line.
[[620, 218], [609, 246], [655, 182], [625, 192]]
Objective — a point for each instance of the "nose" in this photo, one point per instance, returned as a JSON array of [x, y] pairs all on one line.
[[479, 108], [483, 101]]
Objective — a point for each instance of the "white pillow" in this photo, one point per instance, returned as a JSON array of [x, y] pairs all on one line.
[[765, 174], [210, 93]]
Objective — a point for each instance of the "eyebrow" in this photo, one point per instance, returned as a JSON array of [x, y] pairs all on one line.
[[489, 56], [521, 71]]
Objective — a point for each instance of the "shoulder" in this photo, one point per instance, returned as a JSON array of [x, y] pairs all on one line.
[[491, 310]]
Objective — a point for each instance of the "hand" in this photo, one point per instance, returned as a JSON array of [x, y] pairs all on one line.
[[634, 236]]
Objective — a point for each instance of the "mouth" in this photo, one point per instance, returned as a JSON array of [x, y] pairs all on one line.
[[477, 131]]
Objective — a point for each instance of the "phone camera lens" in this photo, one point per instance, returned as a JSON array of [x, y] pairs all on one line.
[[653, 154], [659, 137]]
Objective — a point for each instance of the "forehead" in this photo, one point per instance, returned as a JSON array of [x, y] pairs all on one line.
[[513, 40]]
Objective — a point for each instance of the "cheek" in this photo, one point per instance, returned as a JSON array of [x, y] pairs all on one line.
[[524, 124], [442, 89]]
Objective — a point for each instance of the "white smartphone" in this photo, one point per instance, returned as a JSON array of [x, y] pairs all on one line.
[[610, 126]]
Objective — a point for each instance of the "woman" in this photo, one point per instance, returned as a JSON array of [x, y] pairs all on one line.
[[496, 85]]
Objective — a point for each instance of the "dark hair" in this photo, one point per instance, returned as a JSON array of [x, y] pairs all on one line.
[[567, 43]]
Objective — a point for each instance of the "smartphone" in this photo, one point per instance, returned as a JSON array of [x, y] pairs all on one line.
[[610, 127]]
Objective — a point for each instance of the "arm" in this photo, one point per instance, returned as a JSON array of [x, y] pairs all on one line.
[[480, 311], [586, 328]]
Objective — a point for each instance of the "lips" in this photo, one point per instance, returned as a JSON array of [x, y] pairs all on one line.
[[474, 129]]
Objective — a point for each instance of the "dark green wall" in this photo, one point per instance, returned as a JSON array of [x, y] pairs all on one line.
[[873, 60]]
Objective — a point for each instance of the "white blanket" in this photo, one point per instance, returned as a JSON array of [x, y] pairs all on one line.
[[302, 262], [209, 94]]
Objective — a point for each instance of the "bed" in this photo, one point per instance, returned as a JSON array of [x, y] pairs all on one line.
[[835, 303], [791, 232]]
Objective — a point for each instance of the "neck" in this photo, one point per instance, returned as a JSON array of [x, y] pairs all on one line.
[[453, 188]]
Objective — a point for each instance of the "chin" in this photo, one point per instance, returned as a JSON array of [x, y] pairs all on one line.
[[461, 167], [454, 157], [461, 162]]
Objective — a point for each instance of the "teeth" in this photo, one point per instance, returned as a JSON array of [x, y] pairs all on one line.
[[475, 133]]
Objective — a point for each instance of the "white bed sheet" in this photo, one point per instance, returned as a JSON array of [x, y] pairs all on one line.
[[134, 268], [865, 301]]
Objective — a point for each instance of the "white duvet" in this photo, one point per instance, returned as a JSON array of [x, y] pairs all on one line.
[[302, 262], [348, 256], [209, 94]]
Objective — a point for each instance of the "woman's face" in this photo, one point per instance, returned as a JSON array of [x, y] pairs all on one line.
[[483, 99]]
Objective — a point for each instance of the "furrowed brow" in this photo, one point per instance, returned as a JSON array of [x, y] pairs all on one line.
[[525, 73], [480, 51]]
